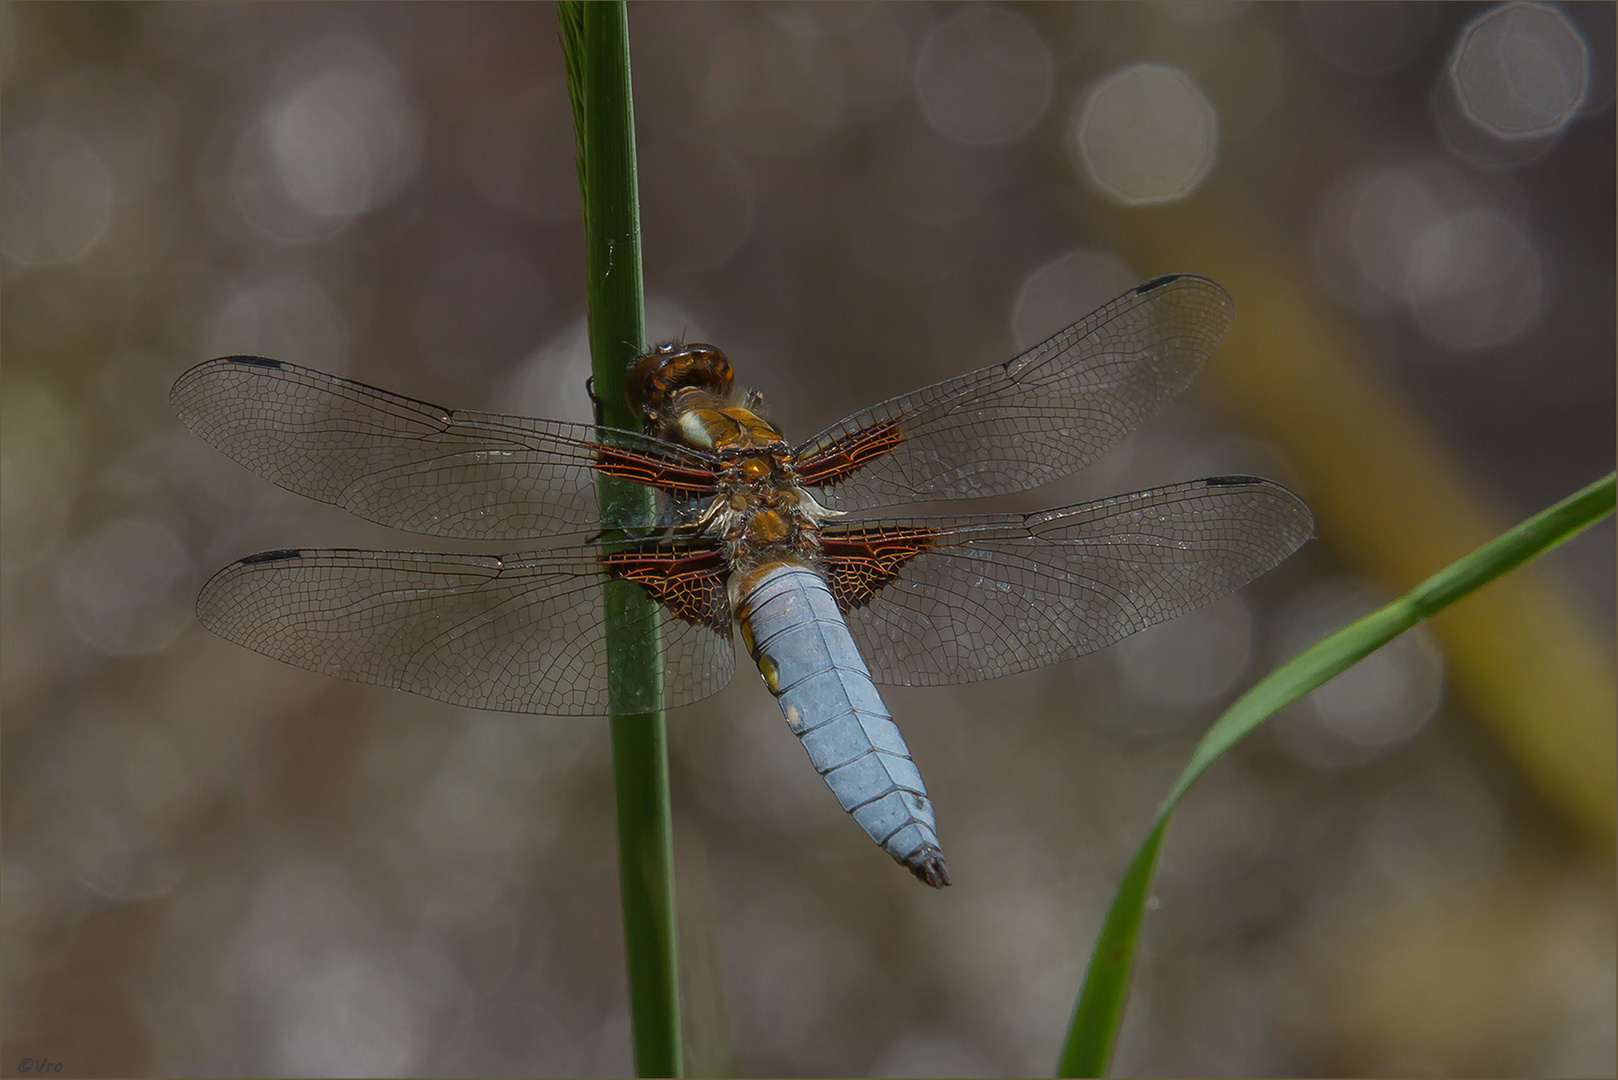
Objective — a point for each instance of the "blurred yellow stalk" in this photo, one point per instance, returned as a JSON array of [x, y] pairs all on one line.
[[1394, 504]]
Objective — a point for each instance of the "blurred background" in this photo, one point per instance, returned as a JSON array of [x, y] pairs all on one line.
[[214, 864]]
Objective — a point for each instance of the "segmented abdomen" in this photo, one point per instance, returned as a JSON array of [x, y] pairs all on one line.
[[809, 661]]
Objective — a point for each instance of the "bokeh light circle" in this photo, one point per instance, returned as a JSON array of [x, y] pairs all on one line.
[[1390, 209], [286, 318], [1520, 71], [127, 589], [1473, 280], [1383, 700], [984, 77], [1427, 238], [1190, 661], [1146, 134], [55, 197], [342, 140], [346, 138], [1058, 293]]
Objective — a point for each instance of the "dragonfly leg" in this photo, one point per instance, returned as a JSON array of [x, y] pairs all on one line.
[[597, 406]]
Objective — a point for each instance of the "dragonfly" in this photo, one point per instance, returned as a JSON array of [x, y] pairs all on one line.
[[742, 529]]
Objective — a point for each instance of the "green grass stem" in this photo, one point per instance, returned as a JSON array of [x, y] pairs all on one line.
[[595, 46], [1099, 1011]]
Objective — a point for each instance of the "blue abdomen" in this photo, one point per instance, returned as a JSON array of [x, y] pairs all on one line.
[[809, 661]]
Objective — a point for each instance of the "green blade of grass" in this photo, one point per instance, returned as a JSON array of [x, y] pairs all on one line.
[[1099, 1011], [595, 46]]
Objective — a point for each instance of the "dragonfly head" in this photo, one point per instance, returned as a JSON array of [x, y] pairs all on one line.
[[655, 376]]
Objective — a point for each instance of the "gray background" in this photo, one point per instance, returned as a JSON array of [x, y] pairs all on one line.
[[215, 864]]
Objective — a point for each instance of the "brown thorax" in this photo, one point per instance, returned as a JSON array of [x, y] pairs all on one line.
[[685, 392]]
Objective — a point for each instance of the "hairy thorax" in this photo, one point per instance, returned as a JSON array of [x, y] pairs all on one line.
[[760, 512]]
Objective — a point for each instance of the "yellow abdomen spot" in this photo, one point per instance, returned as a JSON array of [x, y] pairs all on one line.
[[772, 674]]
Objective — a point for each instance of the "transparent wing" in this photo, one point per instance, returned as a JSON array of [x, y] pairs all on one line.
[[1031, 420], [523, 633], [961, 600], [417, 466]]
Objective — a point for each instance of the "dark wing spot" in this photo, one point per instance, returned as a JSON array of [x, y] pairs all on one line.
[[1231, 481], [254, 361], [280, 555], [1156, 283]]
